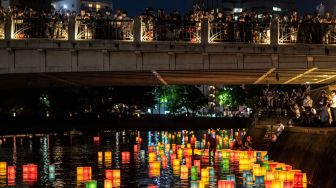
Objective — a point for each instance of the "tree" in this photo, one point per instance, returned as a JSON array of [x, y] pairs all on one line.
[[194, 99]]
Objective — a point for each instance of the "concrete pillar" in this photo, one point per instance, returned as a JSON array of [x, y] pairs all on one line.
[[204, 31], [310, 61], [106, 60], [72, 29], [137, 30], [240, 61], [11, 60], [275, 60], [274, 32], [74, 60], [172, 61], [206, 61], [139, 63], [8, 27], [42, 58]]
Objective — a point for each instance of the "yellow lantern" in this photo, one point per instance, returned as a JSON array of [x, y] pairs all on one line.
[[108, 184], [176, 162], [205, 175], [282, 175], [3, 168], [270, 176], [184, 172], [277, 184], [151, 156]]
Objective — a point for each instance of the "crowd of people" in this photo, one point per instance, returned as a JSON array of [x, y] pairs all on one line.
[[311, 28], [299, 106], [246, 26]]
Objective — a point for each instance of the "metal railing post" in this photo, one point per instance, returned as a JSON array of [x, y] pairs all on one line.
[[9, 28], [137, 30], [275, 32], [72, 29], [205, 31]]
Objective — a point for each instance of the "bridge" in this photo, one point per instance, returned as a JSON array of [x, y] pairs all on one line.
[[137, 55]]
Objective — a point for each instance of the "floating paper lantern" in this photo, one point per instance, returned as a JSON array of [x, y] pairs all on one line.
[[282, 175], [3, 168], [211, 174], [52, 172], [188, 161], [125, 157], [29, 172], [151, 156], [164, 162], [176, 162], [287, 184], [194, 184], [276, 184], [268, 183], [225, 184], [197, 163], [96, 138], [259, 180], [135, 149], [194, 173], [108, 184], [91, 184], [184, 172], [83, 173], [205, 175], [11, 173], [270, 176]]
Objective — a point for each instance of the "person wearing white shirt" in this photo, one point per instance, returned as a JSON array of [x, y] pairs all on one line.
[[333, 106]]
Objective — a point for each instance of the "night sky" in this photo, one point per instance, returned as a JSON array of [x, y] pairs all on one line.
[[136, 7]]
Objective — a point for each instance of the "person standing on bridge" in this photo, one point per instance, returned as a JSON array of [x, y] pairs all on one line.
[[333, 106]]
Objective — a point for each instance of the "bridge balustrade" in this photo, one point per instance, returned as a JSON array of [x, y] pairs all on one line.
[[324, 33], [234, 32], [24, 28], [171, 31], [88, 29]]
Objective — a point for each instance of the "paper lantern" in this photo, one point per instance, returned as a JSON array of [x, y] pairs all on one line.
[[194, 184], [197, 163], [226, 184], [259, 180], [135, 149], [184, 172], [108, 184], [154, 165], [282, 175], [231, 177], [125, 157], [11, 173], [276, 184], [211, 174], [29, 172], [3, 168], [188, 161], [205, 175], [91, 184], [83, 173], [268, 183], [150, 148], [51, 172], [151, 156], [142, 154], [96, 138], [194, 173], [154, 172], [164, 162], [176, 162], [179, 153], [287, 184], [270, 176]]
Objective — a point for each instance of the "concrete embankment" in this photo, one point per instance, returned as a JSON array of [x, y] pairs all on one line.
[[313, 150]]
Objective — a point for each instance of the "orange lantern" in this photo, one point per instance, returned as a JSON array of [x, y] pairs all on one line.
[[164, 162], [268, 183], [125, 157], [11, 173], [225, 184], [198, 164], [287, 184], [108, 174], [135, 149], [188, 161]]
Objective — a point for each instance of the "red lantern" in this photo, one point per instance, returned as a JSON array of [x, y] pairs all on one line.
[[172, 157], [29, 172], [135, 149], [125, 157], [164, 162], [96, 138], [198, 164], [268, 183], [150, 148], [225, 184], [11, 173], [108, 174], [174, 148], [287, 184], [298, 179], [86, 173], [188, 161]]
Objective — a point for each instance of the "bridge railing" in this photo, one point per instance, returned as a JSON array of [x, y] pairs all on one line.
[[324, 33], [2, 28], [234, 32], [24, 28], [87, 29], [170, 31]]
